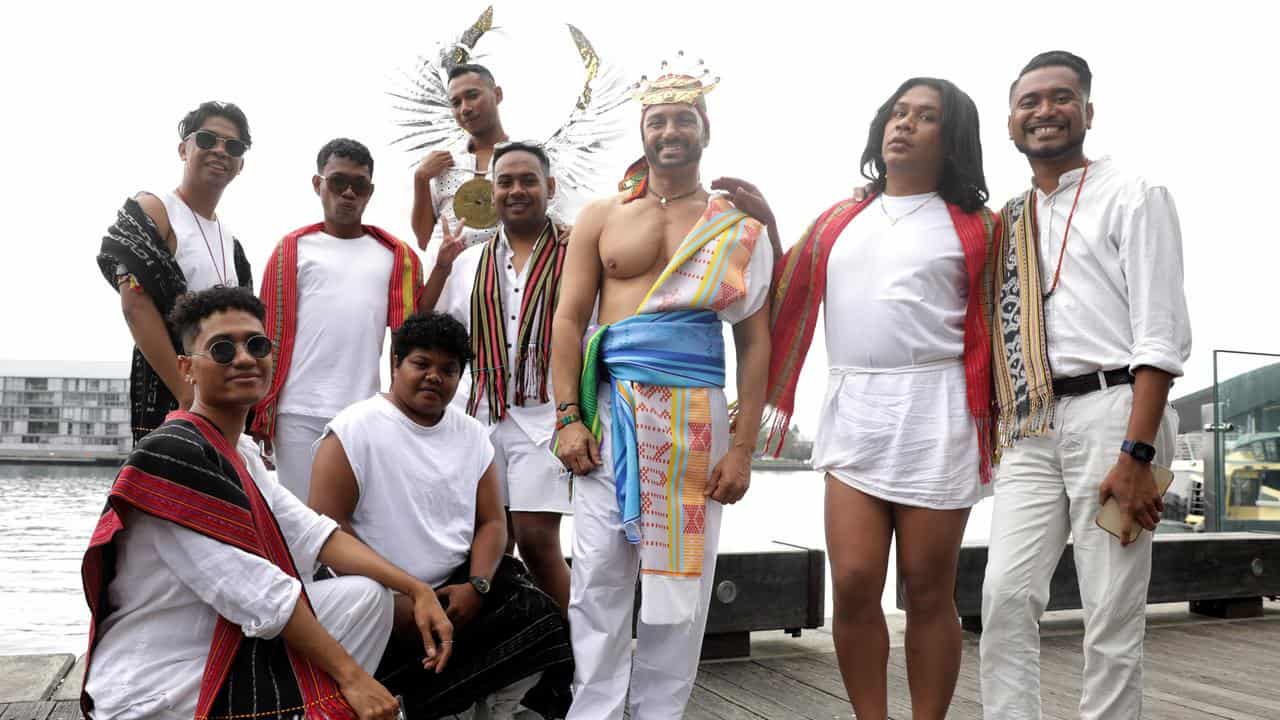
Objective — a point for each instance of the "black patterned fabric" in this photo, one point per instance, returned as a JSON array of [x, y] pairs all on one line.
[[518, 632], [133, 246]]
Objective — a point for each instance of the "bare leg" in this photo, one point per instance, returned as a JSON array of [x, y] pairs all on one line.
[[538, 536], [859, 528], [928, 551]]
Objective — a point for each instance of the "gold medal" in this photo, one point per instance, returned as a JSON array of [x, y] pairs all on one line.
[[473, 204]]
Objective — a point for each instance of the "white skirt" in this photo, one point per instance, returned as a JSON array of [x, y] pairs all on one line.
[[904, 435]]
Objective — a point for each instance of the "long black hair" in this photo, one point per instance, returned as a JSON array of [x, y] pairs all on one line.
[[962, 182]]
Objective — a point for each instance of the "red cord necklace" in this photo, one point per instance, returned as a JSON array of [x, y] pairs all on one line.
[[1062, 252]]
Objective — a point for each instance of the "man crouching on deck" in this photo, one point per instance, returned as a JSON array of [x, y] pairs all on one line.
[[194, 574], [669, 263]]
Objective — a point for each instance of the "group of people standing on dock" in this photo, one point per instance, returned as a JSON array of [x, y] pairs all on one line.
[[545, 365]]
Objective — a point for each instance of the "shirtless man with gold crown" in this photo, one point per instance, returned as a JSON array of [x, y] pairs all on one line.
[[642, 418]]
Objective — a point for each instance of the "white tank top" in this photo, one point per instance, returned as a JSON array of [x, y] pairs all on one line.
[[205, 248], [417, 485]]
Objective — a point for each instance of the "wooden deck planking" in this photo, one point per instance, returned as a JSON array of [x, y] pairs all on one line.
[[1214, 670]]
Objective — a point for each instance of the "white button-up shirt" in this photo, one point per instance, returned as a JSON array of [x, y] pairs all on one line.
[[170, 586], [1119, 301], [536, 419]]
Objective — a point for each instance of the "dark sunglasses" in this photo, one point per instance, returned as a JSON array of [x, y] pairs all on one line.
[[338, 184], [223, 352], [207, 140]]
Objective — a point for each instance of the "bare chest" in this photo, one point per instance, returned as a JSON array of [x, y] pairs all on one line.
[[641, 238]]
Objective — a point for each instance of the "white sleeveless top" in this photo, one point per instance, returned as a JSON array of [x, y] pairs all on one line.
[[417, 485], [205, 248]]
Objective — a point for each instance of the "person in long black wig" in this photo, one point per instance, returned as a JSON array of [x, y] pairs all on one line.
[[904, 435]]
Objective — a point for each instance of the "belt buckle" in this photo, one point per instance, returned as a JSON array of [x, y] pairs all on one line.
[[1102, 380]]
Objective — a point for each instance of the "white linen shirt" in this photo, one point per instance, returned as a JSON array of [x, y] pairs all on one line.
[[170, 586], [538, 420], [1119, 301]]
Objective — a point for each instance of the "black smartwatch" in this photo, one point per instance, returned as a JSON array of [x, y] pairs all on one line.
[[481, 584], [1138, 450]]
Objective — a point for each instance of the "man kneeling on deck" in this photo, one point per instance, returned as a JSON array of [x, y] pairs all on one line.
[[414, 477], [195, 574]]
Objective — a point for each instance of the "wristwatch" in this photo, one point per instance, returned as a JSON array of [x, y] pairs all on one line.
[[481, 584], [1140, 451]]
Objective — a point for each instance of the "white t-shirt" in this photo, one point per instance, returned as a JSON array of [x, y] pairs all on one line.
[[205, 248], [417, 484], [342, 320], [902, 287]]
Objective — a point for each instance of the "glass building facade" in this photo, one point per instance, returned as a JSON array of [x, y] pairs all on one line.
[[64, 410]]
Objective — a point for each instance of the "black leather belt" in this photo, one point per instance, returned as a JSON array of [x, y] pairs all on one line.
[[1082, 384]]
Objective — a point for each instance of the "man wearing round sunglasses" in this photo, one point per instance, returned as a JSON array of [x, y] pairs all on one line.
[[331, 290], [198, 574], [167, 243]]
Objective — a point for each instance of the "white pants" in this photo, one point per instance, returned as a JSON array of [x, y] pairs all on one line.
[[1047, 488], [531, 476], [602, 595], [295, 450], [357, 612]]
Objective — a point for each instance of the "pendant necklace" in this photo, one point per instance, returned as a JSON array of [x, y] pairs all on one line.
[[894, 220], [222, 274], [665, 201]]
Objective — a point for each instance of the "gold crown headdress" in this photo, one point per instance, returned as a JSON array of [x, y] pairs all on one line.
[[683, 81]]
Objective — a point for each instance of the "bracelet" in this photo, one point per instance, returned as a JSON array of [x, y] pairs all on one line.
[[568, 420], [565, 406]]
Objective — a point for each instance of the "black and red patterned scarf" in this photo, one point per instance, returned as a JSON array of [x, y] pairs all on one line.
[[185, 472]]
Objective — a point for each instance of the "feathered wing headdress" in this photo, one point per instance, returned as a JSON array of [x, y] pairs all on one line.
[[426, 90], [576, 149]]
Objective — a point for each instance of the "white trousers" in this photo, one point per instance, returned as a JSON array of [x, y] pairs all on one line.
[[357, 612], [1047, 488], [295, 450], [602, 596]]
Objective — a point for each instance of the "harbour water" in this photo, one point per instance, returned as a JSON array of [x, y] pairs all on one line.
[[49, 512]]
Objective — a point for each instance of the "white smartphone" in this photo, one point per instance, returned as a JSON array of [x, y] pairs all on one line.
[[1111, 517]]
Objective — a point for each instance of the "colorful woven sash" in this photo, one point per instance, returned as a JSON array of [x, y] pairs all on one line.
[[489, 328]]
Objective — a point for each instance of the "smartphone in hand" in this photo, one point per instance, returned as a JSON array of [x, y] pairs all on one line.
[[1111, 517]]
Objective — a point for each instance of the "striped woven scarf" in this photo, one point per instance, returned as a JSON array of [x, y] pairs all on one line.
[[533, 342], [1023, 377]]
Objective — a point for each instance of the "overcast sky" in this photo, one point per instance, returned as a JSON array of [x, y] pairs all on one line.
[[93, 94]]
